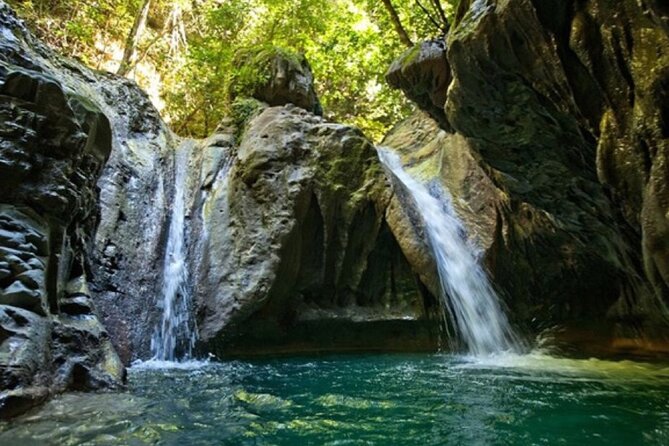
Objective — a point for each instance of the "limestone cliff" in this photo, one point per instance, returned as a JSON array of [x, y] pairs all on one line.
[[561, 104], [54, 141]]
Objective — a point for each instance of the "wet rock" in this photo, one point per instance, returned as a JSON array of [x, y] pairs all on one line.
[[20, 295], [53, 145], [299, 256], [25, 357], [561, 107], [101, 368], [433, 154], [18, 401]]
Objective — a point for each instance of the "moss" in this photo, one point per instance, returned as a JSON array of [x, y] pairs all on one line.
[[410, 56], [467, 19], [255, 65], [242, 110]]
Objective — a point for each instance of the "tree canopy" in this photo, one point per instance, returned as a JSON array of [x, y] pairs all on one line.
[[183, 51]]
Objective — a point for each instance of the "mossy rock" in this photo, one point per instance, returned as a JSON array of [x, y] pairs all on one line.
[[423, 74], [276, 76]]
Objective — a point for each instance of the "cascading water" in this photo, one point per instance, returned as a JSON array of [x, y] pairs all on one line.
[[175, 336], [467, 294]]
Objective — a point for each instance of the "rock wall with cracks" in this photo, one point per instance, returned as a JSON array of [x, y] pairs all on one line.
[[299, 255], [54, 142], [285, 234], [287, 240], [561, 104]]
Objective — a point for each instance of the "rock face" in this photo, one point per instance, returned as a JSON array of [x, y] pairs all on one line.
[[561, 105], [431, 153], [285, 230], [54, 142], [275, 76], [422, 72], [287, 244], [136, 189], [299, 256]]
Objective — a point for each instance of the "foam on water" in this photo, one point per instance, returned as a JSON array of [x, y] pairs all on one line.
[[158, 364], [540, 363]]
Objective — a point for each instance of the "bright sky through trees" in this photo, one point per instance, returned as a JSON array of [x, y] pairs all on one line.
[[184, 49]]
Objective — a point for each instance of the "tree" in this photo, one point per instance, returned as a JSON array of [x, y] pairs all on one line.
[[186, 49], [397, 23], [441, 22], [130, 52]]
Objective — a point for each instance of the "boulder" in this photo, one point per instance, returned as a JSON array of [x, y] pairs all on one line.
[[423, 74], [299, 256], [275, 76]]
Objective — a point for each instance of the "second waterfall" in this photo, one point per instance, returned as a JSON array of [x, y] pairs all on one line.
[[175, 336], [467, 295]]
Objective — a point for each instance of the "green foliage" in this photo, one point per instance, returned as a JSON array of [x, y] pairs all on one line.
[[242, 109], [194, 48], [74, 26]]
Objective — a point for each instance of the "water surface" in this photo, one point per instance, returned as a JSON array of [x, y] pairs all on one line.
[[366, 400]]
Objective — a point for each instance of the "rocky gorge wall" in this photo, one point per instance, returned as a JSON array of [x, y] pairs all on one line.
[[545, 122], [287, 244], [53, 144], [551, 117]]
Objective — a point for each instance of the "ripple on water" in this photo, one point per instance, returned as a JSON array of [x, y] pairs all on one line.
[[381, 400]]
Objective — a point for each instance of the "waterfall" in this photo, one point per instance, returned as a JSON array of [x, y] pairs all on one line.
[[175, 336], [468, 297]]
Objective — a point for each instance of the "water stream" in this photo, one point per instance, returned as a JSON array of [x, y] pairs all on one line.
[[492, 396], [383, 400], [174, 338], [467, 295]]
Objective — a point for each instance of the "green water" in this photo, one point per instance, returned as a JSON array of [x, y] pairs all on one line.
[[366, 400]]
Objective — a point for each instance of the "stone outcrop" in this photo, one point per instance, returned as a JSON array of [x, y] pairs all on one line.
[[422, 72], [275, 76], [54, 141], [561, 105], [299, 256], [433, 154]]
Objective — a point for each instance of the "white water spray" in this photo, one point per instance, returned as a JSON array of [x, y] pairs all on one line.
[[467, 294], [176, 334]]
